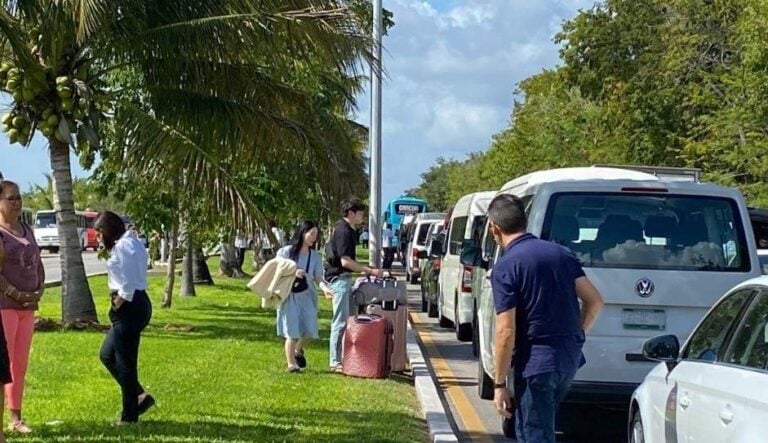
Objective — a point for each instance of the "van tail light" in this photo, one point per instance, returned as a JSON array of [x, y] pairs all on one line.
[[466, 279], [415, 257]]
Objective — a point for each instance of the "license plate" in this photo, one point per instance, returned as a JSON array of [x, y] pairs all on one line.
[[653, 319]]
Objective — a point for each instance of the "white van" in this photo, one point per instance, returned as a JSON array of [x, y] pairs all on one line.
[[661, 252], [417, 241], [47, 230], [455, 304]]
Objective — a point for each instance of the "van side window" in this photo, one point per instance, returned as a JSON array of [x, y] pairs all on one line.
[[458, 227]]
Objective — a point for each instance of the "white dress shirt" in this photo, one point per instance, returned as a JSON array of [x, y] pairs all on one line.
[[127, 266]]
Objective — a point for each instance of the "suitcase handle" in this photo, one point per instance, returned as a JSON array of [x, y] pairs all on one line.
[[366, 318]]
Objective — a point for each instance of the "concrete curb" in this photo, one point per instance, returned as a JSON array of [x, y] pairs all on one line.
[[439, 424], [56, 283]]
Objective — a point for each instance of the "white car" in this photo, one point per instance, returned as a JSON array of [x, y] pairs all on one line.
[[716, 388]]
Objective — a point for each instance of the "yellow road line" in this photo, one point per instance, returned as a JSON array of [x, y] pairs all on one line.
[[472, 423]]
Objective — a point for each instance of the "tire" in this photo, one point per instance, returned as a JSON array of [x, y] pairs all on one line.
[[475, 333], [463, 330], [424, 303], [432, 310], [484, 382], [414, 279], [636, 430], [508, 427], [443, 321]]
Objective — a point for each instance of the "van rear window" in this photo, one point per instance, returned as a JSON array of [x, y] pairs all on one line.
[[649, 231], [421, 239]]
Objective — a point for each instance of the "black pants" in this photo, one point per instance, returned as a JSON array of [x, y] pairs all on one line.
[[120, 351], [240, 257], [389, 257]]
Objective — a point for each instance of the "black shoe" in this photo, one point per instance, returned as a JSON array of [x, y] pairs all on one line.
[[301, 361], [145, 404]]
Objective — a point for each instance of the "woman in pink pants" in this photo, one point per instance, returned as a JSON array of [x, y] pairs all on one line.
[[21, 285]]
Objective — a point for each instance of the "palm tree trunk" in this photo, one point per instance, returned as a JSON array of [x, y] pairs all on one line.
[[187, 271], [171, 276], [76, 298]]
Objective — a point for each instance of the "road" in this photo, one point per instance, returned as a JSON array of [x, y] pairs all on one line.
[[53, 269], [456, 368]]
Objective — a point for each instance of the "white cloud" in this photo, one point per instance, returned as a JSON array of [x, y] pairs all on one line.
[[453, 66]]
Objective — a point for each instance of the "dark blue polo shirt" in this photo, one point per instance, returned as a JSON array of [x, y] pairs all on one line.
[[537, 278]]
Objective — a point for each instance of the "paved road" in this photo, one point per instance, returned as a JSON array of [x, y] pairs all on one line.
[[475, 420], [53, 268]]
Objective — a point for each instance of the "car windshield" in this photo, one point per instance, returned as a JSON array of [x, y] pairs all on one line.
[[642, 231], [47, 220]]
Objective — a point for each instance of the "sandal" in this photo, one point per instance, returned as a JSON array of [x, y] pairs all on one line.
[[19, 427]]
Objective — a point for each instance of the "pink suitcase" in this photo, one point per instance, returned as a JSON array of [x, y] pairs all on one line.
[[398, 315], [367, 347]]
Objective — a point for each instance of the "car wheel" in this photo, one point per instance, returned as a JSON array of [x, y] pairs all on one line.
[[443, 322], [475, 333], [414, 279], [432, 310], [484, 382], [636, 431], [508, 427], [424, 304], [463, 330]]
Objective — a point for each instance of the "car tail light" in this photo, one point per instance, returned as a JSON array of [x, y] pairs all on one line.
[[415, 257], [466, 279]]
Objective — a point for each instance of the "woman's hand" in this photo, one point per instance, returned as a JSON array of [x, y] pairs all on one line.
[[118, 302], [300, 273]]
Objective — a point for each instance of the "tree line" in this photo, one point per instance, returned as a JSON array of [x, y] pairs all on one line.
[[646, 82]]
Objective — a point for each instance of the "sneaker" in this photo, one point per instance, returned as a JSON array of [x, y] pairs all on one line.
[[19, 427], [300, 359], [293, 369]]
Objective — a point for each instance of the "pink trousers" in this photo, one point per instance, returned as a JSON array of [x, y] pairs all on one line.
[[18, 326]]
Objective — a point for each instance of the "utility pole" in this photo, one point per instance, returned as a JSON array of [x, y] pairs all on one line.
[[374, 217]]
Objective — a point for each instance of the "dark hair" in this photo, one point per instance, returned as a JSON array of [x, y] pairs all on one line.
[[352, 204], [297, 242], [111, 227], [508, 212], [272, 224], [4, 183]]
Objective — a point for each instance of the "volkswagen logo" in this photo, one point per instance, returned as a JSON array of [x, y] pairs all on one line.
[[644, 287]]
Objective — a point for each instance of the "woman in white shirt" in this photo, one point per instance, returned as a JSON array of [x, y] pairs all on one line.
[[130, 312]]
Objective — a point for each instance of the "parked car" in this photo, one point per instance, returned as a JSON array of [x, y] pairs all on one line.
[[455, 302], [715, 388], [661, 252], [430, 269], [417, 241]]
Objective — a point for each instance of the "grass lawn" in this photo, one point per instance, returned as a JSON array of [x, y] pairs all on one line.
[[225, 381]]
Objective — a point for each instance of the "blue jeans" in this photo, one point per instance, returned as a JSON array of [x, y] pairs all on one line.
[[537, 400], [342, 308]]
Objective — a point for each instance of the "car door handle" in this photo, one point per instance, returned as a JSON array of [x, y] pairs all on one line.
[[726, 415], [685, 402]]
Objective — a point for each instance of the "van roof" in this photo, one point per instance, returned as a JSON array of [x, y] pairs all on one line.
[[429, 216], [475, 203], [579, 174]]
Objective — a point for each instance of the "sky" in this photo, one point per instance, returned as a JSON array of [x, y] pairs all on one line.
[[452, 67]]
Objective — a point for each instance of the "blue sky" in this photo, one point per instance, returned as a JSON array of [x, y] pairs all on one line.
[[452, 65]]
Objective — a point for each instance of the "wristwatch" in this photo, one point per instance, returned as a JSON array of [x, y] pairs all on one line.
[[499, 385]]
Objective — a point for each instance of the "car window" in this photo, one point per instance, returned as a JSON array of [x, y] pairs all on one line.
[[763, 263], [424, 229], [707, 341], [749, 346], [458, 227]]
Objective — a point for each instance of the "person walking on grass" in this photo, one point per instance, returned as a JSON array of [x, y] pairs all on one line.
[[387, 238], [341, 264], [22, 278], [297, 315], [129, 313], [537, 286]]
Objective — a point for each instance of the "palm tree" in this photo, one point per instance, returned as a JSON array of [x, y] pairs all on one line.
[[175, 86]]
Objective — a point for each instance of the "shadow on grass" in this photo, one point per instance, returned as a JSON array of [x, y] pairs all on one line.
[[314, 425]]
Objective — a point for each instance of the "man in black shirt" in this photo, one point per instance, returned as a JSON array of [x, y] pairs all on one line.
[[339, 273]]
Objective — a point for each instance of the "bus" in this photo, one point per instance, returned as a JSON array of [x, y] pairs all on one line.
[[399, 208], [47, 230]]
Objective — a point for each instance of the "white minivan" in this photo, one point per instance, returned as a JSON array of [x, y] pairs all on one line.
[[47, 230], [660, 251], [417, 241], [455, 304]]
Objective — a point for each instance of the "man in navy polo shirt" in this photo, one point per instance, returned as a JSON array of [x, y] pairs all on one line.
[[537, 286]]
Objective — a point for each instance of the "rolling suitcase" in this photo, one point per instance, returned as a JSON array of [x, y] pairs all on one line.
[[398, 314], [367, 347], [367, 291]]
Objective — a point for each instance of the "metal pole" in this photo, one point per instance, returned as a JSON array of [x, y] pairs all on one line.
[[374, 219]]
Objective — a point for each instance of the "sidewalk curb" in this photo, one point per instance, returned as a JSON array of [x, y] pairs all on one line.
[[56, 283], [438, 423]]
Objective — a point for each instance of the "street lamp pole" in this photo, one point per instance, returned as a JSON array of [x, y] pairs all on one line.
[[374, 219]]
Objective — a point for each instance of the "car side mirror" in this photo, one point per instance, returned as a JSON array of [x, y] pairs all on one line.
[[471, 255], [436, 250], [664, 348], [421, 255]]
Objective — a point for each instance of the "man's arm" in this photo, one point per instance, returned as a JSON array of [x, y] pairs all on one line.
[[504, 344], [591, 302], [352, 265]]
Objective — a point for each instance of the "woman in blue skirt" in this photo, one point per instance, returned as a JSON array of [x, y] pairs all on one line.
[[297, 315]]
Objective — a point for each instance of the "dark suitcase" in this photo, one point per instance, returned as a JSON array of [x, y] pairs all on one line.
[[368, 291], [398, 315], [368, 346]]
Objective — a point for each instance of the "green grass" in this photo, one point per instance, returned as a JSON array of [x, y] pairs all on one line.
[[223, 382]]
